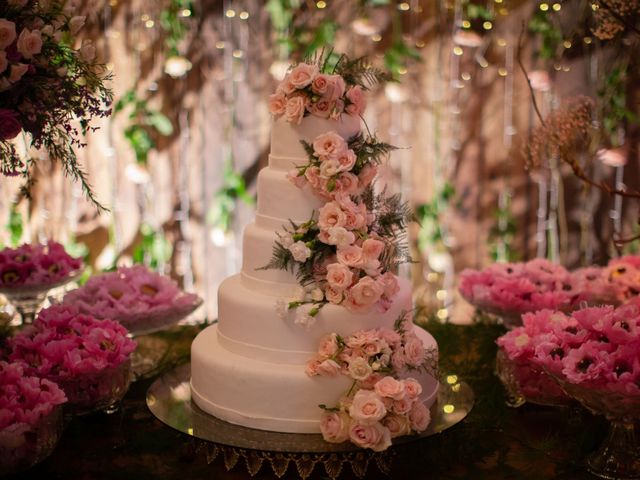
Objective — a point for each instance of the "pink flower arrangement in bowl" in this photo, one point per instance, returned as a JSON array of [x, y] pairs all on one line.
[[30, 418], [88, 358], [510, 289], [142, 300]]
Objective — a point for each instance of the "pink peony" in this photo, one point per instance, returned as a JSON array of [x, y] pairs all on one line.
[[367, 407], [334, 426], [374, 436], [10, 126]]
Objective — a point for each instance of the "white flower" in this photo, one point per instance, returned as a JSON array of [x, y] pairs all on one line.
[[286, 240], [340, 237], [281, 308], [317, 295], [76, 23], [300, 251], [298, 295], [304, 319], [359, 369], [329, 168]]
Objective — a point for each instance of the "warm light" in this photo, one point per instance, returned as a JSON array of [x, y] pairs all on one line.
[[594, 6], [230, 13], [442, 314], [404, 6], [190, 431], [113, 3], [587, 40], [238, 54], [487, 25], [441, 294], [176, 66], [557, 7], [244, 15], [457, 50], [466, 76], [420, 44], [109, 66], [502, 72], [544, 7], [502, 42], [482, 62], [320, 4], [417, 9], [432, 277], [448, 408], [451, 379], [566, 69], [149, 23], [402, 71], [557, 67], [186, 12], [219, 44], [504, 12], [376, 37], [466, 24], [144, 17], [455, 388], [566, 44], [498, 1]]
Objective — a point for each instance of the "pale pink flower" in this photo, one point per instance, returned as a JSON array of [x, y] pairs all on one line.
[[357, 101], [277, 104], [367, 174], [614, 157], [398, 425], [419, 416], [331, 215], [298, 180], [29, 43], [347, 184], [329, 145], [76, 23], [414, 351], [17, 71], [355, 216], [300, 251], [334, 426], [312, 174], [295, 109], [286, 86], [328, 168], [311, 367], [367, 407], [359, 368], [340, 237], [321, 108], [390, 284], [412, 387], [350, 255], [3, 61], [372, 248], [333, 296], [402, 406], [303, 74], [364, 294], [328, 345], [374, 436], [320, 83], [336, 87], [339, 276], [346, 160], [391, 388], [328, 368], [7, 32]]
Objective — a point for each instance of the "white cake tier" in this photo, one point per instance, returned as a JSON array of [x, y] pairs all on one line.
[[249, 324], [267, 396], [279, 200], [286, 149]]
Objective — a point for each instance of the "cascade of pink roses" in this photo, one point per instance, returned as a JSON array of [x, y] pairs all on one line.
[[379, 406], [30, 265], [597, 347]]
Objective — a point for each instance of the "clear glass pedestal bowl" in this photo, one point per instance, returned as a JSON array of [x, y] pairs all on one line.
[[618, 457]]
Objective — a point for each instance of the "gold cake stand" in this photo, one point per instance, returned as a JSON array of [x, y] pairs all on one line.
[[169, 399]]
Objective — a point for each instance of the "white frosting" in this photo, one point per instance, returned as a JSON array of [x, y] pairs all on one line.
[[278, 397]]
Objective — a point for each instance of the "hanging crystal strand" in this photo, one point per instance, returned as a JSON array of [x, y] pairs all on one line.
[[184, 247], [553, 252], [541, 215], [616, 213]]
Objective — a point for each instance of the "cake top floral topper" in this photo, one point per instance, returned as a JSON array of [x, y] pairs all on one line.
[[325, 86], [46, 84]]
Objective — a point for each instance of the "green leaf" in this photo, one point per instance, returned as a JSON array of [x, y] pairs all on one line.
[[160, 122]]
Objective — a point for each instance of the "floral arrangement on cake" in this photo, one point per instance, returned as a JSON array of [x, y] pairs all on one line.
[[516, 288], [135, 296], [25, 403], [80, 353], [595, 347], [379, 405], [324, 88], [346, 256], [36, 265], [622, 276], [46, 84]]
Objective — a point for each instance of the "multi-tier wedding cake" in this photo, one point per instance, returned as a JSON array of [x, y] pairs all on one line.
[[315, 333]]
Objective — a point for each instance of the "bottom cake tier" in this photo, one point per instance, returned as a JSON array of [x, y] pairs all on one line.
[[269, 396]]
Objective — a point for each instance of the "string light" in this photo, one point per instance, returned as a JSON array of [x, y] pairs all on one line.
[[588, 40], [544, 7], [466, 76], [238, 54], [185, 12], [594, 6], [244, 15], [498, 1], [487, 25], [502, 72], [149, 23], [376, 37], [457, 51], [502, 42], [557, 67], [442, 314], [503, 11], [420, 44], [466, 24], [230, 13], [404, 6], [402, 71], [566, 44], [144, 17], [321, 4], [566, 68], [556, 7], [219, 44], [448, 408]]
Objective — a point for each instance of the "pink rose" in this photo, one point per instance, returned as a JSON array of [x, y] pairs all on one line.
[[372, 248], [298, 180], [374, 436], [390, 284], [333, 296], [347, 184], [398, 425], [357, 101], [303, 74], [367, 174], [277, 104], [17, 71], [29, 43], [346, 159], [363, 294], [398, 360], [390, 387], [295, 109], [76, 23], [328, 345], [339, 276], [367, 407], [311, 367], [320, 84], [286, 86], [329, 168], [355, 216], [3, 61], [7, 33], [335, 427], [10, 125], [336, 87], [321, 108], [412, 387], [331, 215], [414, 351], [338, 108], [402, 406], [312, 174], [340, 236], [419, 416], [350, 255], [328, 368], [329, 145]]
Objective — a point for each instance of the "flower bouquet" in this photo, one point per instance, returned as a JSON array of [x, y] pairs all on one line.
[[46, 83], [380, 405], [28, 272], [510, 289], [30, 418], [594, 355], [87, 357], [141, 300]]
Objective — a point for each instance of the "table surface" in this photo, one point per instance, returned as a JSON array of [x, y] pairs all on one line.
[[493, 442]]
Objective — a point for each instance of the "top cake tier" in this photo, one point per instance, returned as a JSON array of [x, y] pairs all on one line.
[[286, 147]]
